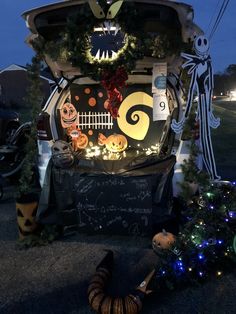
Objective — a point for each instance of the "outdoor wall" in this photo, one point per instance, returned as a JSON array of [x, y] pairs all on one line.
[[13, 87]]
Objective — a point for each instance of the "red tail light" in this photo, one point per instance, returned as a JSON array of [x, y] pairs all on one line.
[[43, 127]]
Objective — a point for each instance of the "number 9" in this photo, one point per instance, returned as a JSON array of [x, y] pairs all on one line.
[[162, 105]]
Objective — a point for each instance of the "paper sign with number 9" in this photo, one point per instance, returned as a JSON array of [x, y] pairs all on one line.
[[162, 105]]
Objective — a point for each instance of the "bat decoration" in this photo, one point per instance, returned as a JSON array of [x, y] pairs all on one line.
[[200, 68]]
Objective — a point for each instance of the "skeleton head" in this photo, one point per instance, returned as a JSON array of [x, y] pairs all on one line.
[[62, 155], [201, 45]]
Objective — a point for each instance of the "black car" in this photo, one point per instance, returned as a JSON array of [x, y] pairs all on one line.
[[9, 123]]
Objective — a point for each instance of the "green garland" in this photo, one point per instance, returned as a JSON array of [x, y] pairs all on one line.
[[74, 44], [27, 181]]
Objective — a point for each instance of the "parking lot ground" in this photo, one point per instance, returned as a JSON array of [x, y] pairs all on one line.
[[54, 278]]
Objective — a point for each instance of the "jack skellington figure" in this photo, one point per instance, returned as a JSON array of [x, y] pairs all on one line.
[[202, 81]]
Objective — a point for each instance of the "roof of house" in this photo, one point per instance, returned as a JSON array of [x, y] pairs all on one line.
[[15, 67]]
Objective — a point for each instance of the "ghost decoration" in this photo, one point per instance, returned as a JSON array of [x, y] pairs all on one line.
[[68, 115], [200, 69], [62, 155]]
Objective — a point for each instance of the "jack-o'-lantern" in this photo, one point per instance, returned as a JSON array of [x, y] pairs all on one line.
[[162, 241], [62, 155], [26, 213], [82, 141], [115, 143], [68, 115]]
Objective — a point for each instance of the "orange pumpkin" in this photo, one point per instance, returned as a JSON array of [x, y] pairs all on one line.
[[162, 240], [82, 141], [115, 143]]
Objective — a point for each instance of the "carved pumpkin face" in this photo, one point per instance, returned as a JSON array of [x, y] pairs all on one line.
[[82, 141], [115, 143], [62, 155], [68, 115], [163, 240], [26, 218]]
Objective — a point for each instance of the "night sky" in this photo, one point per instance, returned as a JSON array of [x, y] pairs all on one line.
[[13, 31]]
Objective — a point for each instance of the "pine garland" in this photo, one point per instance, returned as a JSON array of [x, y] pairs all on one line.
[[33, 101], [74, 44]]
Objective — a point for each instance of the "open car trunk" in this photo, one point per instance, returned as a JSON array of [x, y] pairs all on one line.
[[121, 177], [154, 17]]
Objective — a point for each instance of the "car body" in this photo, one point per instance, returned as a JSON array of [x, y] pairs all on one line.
[[9, 123], [51, 20]]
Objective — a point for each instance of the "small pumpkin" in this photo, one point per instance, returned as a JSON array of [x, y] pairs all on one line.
[[115, 143], [82, 141], [163, 241]]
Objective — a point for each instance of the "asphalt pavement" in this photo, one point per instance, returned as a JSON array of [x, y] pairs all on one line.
[[54, 278]]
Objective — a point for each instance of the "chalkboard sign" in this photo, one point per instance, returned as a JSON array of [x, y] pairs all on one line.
[[84, 198], [115, 204]]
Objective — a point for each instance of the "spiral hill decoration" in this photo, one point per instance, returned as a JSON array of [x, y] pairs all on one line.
[[141, 120], [105, 304]]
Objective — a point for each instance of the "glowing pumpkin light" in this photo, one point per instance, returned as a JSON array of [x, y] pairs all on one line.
[[115, 143]]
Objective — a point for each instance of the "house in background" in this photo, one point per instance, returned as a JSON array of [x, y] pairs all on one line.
[[14, 83]]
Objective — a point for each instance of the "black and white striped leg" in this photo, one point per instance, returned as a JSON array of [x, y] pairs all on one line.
[[205, 136]]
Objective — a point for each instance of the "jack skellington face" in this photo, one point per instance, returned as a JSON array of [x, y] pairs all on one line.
[[201, 45]]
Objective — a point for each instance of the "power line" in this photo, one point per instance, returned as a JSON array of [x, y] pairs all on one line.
[[214, 14], [219, 17]]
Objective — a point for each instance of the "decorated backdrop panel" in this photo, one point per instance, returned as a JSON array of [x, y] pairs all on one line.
[[133, 131]]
